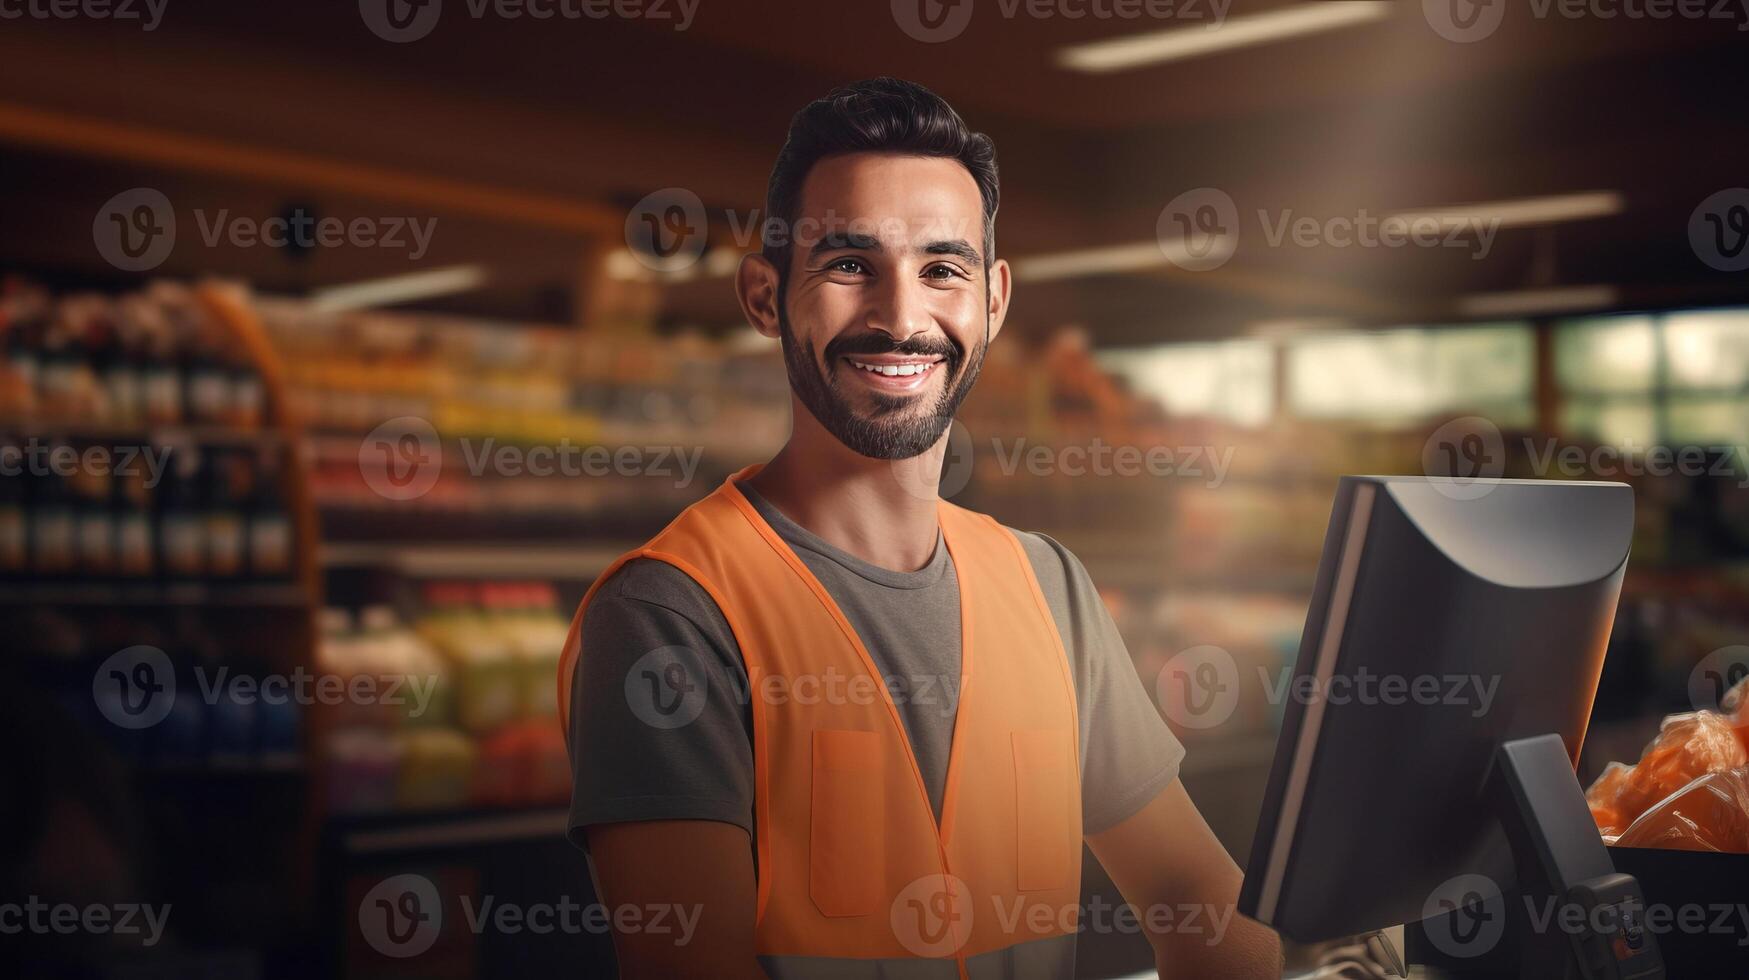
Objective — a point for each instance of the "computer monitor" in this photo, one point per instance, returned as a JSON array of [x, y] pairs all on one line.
[[1445, 677]]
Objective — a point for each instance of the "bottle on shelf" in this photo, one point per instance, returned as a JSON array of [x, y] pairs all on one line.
[[135, 535], [225, 472], [94, 517], [182, 547], [269, 534], [53, 529], [14, 518]]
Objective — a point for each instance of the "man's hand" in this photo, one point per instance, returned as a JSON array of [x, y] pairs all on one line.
[[697, 870], [1167, 859]]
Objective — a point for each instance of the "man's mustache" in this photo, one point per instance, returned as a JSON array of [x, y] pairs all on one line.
[[875, 342]]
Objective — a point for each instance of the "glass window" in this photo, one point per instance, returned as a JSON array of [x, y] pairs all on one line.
[[1231, 380], [1709, 421], [1606, 355], [1413, 373], [1617, 422], [1708, 351]]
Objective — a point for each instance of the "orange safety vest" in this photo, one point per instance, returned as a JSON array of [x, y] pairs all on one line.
[[855, 877]]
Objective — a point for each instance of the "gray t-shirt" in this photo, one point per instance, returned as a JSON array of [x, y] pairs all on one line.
[[627, 768]]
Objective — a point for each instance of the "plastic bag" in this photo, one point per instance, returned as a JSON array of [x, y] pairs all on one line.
[[1709, 814], [1687, 747], [1737, 700]]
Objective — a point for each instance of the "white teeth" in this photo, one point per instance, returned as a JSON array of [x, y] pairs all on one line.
[[894, 370]]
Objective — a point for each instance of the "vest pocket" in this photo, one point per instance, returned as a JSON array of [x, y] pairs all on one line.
[[846, 849], [1044, 774]]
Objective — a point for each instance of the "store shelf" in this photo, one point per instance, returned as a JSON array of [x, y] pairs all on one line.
[[416, 832], [206, 435], [580, 560], [266, 595]]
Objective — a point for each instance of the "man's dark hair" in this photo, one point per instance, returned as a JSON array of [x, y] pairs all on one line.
[[879, 115]]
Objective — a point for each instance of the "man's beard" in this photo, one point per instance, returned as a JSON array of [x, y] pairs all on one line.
[[899, 427]]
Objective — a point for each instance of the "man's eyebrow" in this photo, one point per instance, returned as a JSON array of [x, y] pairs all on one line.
[[832, 241], [957, 247]]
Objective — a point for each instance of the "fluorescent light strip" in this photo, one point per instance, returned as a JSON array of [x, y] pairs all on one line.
[[1179, 43], [1089, 262], [398, 289], [1523, 211], [1526, 301]]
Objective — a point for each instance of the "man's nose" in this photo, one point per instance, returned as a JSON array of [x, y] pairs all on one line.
[[898, 309]]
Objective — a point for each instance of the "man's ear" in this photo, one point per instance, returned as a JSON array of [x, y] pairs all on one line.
[[1001, 285], [756, 288]]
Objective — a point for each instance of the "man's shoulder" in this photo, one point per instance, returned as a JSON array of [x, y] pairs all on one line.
[[1053, 564], [653, 582]]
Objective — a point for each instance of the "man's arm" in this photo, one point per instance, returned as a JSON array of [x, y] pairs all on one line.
[[1165, 858], [696, 871]]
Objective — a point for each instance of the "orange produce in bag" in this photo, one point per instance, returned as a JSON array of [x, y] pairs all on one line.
[[1687, 747], [1737, 701], [1709, 814], [1604, 796]]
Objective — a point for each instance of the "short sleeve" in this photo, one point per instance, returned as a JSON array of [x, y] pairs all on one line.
[[659, 727]]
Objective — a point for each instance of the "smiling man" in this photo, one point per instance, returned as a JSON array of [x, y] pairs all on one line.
[[862, 730]]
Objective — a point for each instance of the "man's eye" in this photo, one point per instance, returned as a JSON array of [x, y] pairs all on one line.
[[942, 270], [850, 267]]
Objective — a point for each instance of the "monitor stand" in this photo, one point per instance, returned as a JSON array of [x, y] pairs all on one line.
[[1573, 916]]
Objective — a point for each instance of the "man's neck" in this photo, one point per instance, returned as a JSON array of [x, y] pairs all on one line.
[[882, 511]]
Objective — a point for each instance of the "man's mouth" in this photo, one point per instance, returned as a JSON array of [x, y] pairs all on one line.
[[894, 372]]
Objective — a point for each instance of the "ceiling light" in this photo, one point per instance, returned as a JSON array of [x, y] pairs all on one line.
[[398, 289], [1089, 262], [1525, 302], [1179, 43], [1522, 211]]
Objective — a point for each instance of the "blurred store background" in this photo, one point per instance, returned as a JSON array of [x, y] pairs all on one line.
[[251, 459]]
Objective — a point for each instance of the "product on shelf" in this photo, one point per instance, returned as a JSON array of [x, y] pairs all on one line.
[[476, 723], [131, 445]]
